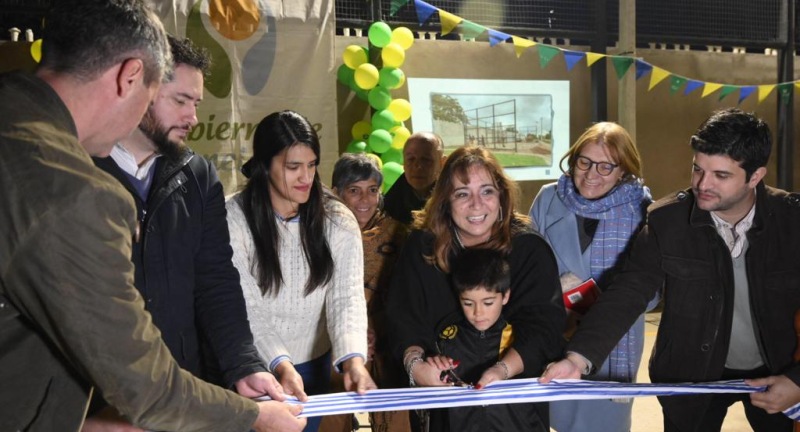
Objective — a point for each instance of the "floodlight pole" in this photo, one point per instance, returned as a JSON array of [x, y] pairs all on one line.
[[626, 110], [785, 136]]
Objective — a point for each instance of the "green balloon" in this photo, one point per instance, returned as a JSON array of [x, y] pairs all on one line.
[[392, 155], [380, 34], [345, 75], [391, 172], [380, 140], [363, 94], [390, 78], [379, 98], [356, 146], [383, 119]]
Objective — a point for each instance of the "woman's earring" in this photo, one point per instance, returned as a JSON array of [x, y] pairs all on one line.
[[500, 217]]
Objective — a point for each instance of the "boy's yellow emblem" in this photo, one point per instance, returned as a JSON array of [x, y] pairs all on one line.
[[449, 332]]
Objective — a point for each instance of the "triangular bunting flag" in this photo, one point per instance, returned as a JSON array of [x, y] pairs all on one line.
[[692, 85], [546, 53], [591, 58], [448, 21], [396, 5], [621, 65], [764, 91], [657, 76], [726, 90], [521, 44], [675, 83], [470, 30], [710, 88], [424, 11], [785, 91], [496, 37], [745, 92], [572, 58], [642, 68]]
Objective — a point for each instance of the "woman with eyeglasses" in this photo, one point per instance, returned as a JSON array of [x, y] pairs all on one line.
[[589, 217]]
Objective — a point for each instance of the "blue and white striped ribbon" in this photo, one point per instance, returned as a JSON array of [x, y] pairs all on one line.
[[505, 392]]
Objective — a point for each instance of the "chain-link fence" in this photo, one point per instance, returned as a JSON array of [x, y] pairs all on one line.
[[742, 23]]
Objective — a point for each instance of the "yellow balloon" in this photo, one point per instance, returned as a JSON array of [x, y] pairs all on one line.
[[400, 135], [36, 50], [366, 76], [403, 37], [354, 56], [401, 109], [361, 130], [393, 55], [375, 158]]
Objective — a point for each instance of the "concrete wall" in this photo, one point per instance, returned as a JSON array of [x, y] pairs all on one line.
[[664, 121]]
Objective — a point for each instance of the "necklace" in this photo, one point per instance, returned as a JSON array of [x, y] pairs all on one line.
[[458, 239]]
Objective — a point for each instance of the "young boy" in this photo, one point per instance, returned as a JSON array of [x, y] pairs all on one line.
[[472, 343]]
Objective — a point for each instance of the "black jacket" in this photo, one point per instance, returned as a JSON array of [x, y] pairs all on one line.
[[184, 270], [401, 200], [477, 351], [420, 296], [679, 249]]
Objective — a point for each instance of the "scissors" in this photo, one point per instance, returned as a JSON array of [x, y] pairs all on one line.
[[450, 376]]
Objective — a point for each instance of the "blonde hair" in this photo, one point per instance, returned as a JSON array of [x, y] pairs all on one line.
[[619, 144]]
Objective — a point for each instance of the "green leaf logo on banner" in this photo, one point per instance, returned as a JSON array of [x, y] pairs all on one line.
[[546, 53], [675, 83], [726, 90], [621, 65], [785, 92]]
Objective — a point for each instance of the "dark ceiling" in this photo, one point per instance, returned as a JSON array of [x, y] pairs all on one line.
[[22, 14]]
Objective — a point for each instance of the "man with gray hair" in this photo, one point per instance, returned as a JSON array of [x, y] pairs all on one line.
[[70, 318]]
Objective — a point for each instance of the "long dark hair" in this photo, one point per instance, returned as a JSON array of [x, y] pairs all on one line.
[[274, 134]]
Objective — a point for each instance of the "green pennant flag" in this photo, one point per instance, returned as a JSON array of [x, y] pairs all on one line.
[[726, 90], [470, 30], [675, 83], [396, 5], [546, 53], [621, 65], [785, 91]]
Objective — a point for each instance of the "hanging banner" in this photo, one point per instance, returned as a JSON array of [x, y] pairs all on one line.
[[268, 55]]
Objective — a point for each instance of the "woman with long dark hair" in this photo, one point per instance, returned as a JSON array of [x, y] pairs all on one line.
[[473, 206], [298, 251]]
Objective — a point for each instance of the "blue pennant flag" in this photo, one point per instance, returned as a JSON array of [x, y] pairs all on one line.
[[572, 58], [692, 85], [642, 68], [744, 92], [496, 37], [424, 11]]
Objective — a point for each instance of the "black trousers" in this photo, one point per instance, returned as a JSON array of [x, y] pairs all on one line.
[[710, 420]]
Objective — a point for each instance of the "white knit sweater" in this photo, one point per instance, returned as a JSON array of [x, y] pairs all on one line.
[[291, 324]]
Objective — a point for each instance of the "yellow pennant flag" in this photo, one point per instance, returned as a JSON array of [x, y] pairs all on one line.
[[657, 76], [797, 84], [710, 88], [764, 91], [449, 21], [593, 57], [521, 44]]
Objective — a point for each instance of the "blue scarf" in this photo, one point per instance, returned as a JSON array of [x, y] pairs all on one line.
[[620, 214]]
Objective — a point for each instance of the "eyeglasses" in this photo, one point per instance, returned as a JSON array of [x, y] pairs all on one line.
[[603, 168]]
